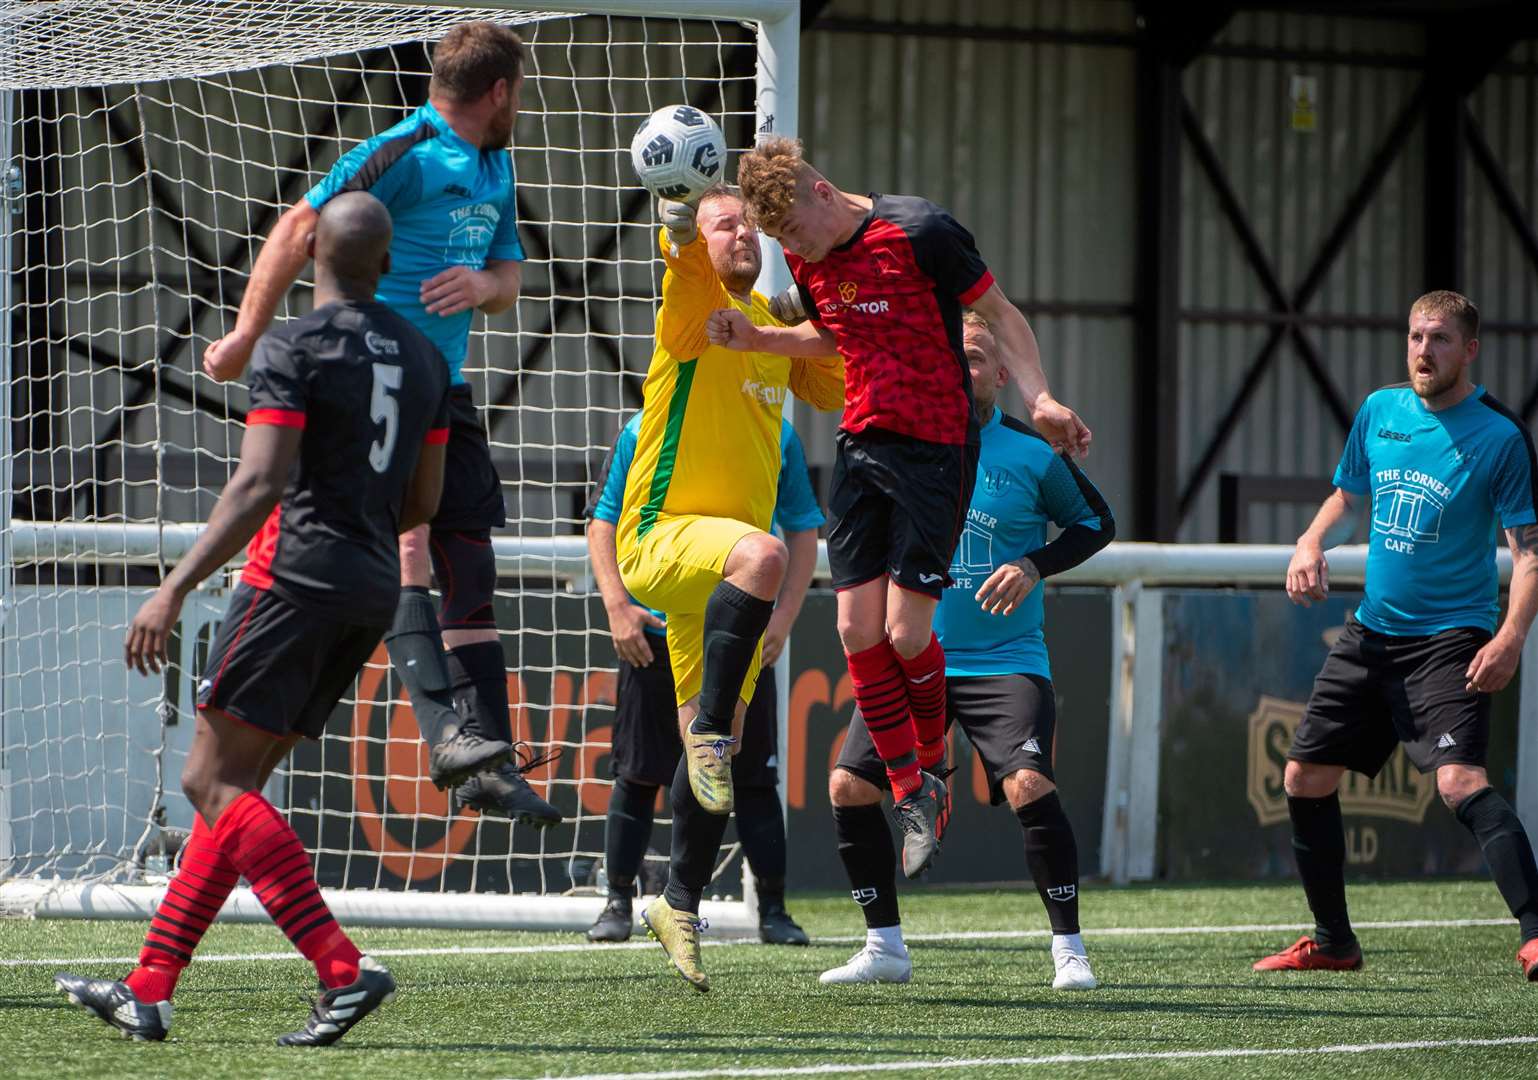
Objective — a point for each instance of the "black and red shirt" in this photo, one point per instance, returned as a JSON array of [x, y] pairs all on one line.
[[369, 390], [892, 296]]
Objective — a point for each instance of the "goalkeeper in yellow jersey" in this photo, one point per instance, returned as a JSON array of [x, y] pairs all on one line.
[[693, 537]]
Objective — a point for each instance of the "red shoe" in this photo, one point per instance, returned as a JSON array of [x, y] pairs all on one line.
[[1527, 956], [1306, 955]]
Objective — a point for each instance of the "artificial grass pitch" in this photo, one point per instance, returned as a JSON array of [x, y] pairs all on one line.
[[589, 1010]]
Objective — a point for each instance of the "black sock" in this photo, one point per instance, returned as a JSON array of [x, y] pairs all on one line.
[[734, 621], [870, 859], [480, 689], [1507, 852], [415, 645], [1319, 843], [761, 828], [696, 839], [626, 832], [1052, 855]]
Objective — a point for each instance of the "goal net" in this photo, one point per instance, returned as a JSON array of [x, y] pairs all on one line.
[[149, 145]]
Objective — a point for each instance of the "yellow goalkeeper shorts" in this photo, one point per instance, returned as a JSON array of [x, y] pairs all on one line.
[[674, 568]]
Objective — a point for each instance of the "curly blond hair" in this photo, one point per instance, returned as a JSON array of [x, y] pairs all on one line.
[[1446, 304], [770, 177]]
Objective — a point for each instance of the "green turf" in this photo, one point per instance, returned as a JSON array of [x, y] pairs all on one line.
[[623, 1010]]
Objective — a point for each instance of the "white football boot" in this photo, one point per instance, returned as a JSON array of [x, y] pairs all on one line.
[[870, 965], [1073, 971]]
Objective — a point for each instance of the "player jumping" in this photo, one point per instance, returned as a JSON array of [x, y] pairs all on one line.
[[344, 449], [884, 279], [998, 680], [693, 537], [446, 177]]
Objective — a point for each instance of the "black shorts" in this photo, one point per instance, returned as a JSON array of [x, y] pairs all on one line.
[[1377, 690], [1010, 719], [646, 743], [896, 507], [472, 490], [279, 667]]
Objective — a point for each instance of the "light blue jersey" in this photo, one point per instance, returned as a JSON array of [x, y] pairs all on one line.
[[1439, 482], [1022, 484], [452, 205], [795, 506]]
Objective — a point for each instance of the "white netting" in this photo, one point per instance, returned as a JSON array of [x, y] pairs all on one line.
[[141, 194]]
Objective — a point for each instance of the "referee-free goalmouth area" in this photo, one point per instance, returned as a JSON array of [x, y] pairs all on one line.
[[1440, 996]]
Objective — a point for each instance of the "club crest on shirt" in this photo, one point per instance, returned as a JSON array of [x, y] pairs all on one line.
[[847, 291], [996, 481]]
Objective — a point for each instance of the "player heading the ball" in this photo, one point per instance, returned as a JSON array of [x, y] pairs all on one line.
[[884, 279]]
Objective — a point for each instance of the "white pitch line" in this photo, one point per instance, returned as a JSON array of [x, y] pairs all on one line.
[[959, 935], [836, 1069]]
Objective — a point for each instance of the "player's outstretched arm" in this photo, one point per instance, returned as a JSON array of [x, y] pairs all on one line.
[[627, 621], [735, 330], [425, 488], [277, 267], [1308, 574], [1494, 665], [1057, 423], [801, 545], [267, 455]]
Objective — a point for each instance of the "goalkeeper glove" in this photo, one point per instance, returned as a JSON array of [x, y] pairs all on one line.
[[678, 219], [787, 306]]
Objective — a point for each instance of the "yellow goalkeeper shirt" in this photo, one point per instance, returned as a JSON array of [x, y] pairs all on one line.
[[709, 441]]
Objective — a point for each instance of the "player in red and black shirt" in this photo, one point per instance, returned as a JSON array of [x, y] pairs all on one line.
[[343, 451], [884, 279]]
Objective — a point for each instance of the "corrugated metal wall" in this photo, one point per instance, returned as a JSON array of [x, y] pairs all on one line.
[[1293, 187]]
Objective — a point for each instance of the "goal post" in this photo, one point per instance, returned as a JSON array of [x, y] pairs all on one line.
[[147, 148]]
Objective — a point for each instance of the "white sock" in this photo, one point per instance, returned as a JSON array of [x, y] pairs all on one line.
[[1068, 943], [887, 939]]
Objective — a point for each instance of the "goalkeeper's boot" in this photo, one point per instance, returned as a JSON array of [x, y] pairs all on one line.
[[114, 1003], [709, 757], [1306, 955], [614, 922], [678, 932], [336, 1011], [870, 965], [776, 927], [461, 755], [923, 816], [1527, 956], [503, 792]]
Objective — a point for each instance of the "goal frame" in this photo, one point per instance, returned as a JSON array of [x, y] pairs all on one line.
[[777, 42]]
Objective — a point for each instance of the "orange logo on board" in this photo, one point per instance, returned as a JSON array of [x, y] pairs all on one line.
[[847, 291]]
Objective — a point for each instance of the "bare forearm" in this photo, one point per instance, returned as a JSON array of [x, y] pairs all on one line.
[[807, 339], [239, 513], [1522, 601], [1022, 355], [802, 546], [1333, 524], [277, 267], [601, 553], [509, 282]]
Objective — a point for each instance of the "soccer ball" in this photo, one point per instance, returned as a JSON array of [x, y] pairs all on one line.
[[678, 153]]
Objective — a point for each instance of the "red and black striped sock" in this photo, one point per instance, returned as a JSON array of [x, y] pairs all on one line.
[[926, 698], [268, 854], [881, 693], [203, 880]]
